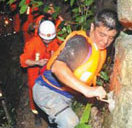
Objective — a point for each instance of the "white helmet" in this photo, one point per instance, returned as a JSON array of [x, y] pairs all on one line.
[[47, 30]]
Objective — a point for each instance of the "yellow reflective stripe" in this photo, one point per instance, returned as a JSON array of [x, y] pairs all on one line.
[[62, 89]]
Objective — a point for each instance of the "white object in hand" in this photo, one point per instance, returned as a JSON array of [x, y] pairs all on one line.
[[110, 101], [28, 10], [37, 56]]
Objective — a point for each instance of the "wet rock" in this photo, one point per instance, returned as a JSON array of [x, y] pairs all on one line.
[[124, 8], [96, 118], [121, 83]]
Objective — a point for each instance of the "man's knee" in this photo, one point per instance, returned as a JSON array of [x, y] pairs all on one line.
[[67, 119], [72, 122]]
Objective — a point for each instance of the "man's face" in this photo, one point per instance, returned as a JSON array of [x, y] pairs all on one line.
[[102, 36], [47, 41]]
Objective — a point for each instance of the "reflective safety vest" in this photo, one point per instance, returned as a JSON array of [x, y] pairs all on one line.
[[87, 71]]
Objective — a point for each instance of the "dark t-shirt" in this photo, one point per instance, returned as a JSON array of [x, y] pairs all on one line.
[[75, 52]]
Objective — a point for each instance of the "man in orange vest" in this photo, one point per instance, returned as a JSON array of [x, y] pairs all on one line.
[[52, 91], [36, 53]]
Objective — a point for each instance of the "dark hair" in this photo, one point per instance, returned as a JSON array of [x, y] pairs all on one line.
[[77, 38], [108, 18], [47, 16]]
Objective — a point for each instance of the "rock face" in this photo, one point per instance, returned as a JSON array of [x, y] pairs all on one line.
[[121, 83], [122, 72], [124, 8], [121, 78]]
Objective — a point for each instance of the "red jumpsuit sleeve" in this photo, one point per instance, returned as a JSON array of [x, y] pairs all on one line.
[[59, 41], [57, 23], [37, 23], [27, 54]]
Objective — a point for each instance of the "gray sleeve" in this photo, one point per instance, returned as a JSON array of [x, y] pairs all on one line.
[[68, 53], [74, 53]]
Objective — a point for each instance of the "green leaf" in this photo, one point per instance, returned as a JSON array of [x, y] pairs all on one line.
[[88, 2], [85, 117], [86, 114], [69, 29], [75, 10], [75, 16], [72, 2], [57, 9], [90, 13], [99, 82], [64, 29], [22, 3], [81, 19], [46, 8], [83, 126], [61, 38], [62, 24], [54, 15], [36, 3], [39, 3], [60, 32], [23, 9], [104, 76], [11, 1]]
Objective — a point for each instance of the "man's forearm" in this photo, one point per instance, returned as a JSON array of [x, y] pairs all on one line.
[[66, 76]]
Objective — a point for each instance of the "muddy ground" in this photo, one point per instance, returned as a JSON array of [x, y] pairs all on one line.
[[14, 83]]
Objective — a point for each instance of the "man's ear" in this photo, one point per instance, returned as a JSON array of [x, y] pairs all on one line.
[[91, 27]]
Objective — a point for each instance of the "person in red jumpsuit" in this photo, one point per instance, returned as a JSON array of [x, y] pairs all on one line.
[[30, 26], [46, 16], [36, 53]]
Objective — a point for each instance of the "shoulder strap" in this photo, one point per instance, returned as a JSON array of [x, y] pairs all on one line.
[[54, 56]]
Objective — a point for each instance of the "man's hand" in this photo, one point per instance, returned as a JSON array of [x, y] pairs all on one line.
[[41, 62], [89, 92], [100, 93]]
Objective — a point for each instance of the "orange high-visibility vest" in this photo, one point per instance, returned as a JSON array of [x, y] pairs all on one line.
[[87, 71]]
